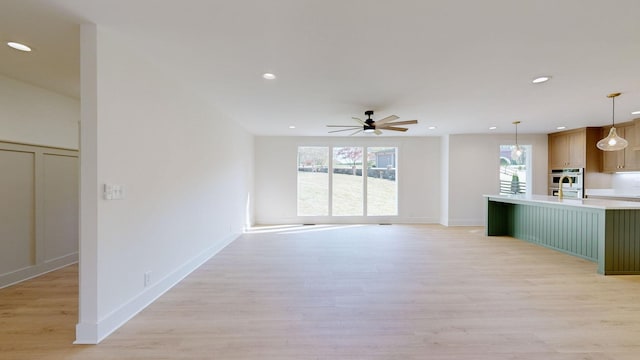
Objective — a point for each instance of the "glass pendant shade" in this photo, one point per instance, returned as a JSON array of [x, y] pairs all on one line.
[[612, 142], [518, 151]]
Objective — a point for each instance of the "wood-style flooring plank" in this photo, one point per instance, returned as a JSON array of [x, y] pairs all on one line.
[[353, 292]]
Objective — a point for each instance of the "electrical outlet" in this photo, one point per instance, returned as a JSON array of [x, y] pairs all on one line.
[[147, 278]]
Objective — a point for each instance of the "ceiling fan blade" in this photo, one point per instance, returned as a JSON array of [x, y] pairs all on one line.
[[355, 132], [395, 128], [386, 120], [349, 126], [359, 120], [350, 129], [407, 122], [378, 132]]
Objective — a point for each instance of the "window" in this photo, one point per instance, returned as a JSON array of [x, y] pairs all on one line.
[[335, 186], [515, 170], [347, 182], [313, 181], [382, 192]]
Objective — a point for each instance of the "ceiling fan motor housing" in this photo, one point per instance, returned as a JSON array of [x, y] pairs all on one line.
[[369, 121]]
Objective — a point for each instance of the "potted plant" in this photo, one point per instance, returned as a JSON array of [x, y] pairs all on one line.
[[515, 184]]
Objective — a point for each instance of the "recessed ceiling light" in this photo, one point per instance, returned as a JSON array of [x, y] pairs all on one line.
[[268, 76], [431, 127], [492, 127], [561, 127], [635, 113], [541, 79], [292, 127], [18, 46]]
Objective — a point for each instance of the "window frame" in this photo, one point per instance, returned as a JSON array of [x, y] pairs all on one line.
[[365, 181]]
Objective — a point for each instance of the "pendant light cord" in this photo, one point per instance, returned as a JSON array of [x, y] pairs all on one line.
[[613, 112]]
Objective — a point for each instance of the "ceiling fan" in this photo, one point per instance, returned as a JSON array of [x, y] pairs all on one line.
[[376, 127]]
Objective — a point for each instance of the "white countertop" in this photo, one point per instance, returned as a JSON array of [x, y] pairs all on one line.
[[612, 193], [587, 203]]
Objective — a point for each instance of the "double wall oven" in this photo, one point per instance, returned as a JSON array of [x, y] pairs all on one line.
[[576, 175]]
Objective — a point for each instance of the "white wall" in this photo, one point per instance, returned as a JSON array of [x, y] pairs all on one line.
[[38, 210], [186, 170], [440, 180], [474, 171], [32, 115], [276, 178], [626, 183], [444, 181]]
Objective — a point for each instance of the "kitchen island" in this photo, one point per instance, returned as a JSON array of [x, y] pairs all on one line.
[[605, 231]]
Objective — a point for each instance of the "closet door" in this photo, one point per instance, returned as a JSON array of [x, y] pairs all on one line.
[[17, 210]]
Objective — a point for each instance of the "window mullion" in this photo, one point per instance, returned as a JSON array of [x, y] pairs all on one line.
[[330, 177], [365, 178]]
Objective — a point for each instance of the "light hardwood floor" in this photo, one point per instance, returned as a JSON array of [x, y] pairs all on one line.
[[353, 292]]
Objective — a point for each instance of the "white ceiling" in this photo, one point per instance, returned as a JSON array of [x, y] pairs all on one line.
[[461, 66]]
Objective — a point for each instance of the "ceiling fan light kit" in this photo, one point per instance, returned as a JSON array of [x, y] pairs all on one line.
[[376, 127], [612, 142]]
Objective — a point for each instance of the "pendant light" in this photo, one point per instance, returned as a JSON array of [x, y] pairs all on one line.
[[612, 142], [517, 151]]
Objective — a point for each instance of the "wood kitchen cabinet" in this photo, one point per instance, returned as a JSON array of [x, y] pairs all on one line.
[[574, 149], [558, 150], [627, 159]]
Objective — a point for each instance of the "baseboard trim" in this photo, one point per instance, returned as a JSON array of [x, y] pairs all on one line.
[[33, 271], [94, 333], [347, 220], [466, 222]]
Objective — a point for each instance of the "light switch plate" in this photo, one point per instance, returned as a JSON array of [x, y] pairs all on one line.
[[108, 192], [113, 192]]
